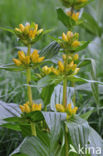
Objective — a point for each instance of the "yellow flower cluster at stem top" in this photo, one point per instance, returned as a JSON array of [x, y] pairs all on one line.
[[27, 108], [69, 110], [70, 40], [28, 33], [74, 16], [71, 67], [26, 60]]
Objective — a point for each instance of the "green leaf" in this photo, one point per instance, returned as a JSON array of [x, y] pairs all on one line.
[[86, 115], [46, 94], [79, 79], [11, 67], [12, 126], [83, 45], [54, 121], [51, 50], [34, 146], [49, 80], [91, 25], [35, 116], [8, 110], [95, 140], [66, 20], [7, 29], [79, 131]]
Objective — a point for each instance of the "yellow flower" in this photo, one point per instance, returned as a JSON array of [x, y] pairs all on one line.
[[55, 71], [28, 33], [17, 62], [21, 27], [26, 29], [40, 59], [75, 16], [60, 108], [76, 70], [75, 57], [35, 56], [75, 44], [27, 60], [39, 31], [27, 108], [22, 108], [64, 37], [46, 70], [36, 107], [70, 110], [74, 110], [74, 67], [69, 35], [64, 57], [21, 56], [61, 66], [32, 34], [18, 30]]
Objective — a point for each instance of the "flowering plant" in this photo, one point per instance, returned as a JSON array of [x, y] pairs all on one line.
[[50, 130]]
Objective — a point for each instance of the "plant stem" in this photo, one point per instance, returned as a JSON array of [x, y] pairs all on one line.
[[73, 98], [65, 92], [28, 87], [29, 91], [65, 103], [66, 142]]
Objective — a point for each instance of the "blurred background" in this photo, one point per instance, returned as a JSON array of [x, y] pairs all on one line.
[[43, 12]]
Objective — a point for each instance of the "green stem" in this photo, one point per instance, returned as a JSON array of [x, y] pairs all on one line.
[[33, 128], [28, 87], [73, 98], [66, 142], [65, 92], [29, 90], [65, 103]]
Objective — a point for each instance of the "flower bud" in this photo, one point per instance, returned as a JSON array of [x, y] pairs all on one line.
[[69, 35], [27, 60], [75, 57], [39, 31], [17, 62], [76, 70], [60, 108], [46, 70], [22, 108], [64, 37], [64, 57], [75, 44], [40, 59], [61, 66], [21, 27], [21, 55], [36, 107], [27, 108]]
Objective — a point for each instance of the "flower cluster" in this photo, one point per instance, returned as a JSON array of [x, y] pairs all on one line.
[[27, 108], [69, 110], [74, 16], [71, 67], [70, 41], [28, 34], [27, 60]]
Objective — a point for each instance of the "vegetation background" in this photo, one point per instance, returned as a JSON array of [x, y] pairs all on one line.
[[43, 12]]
